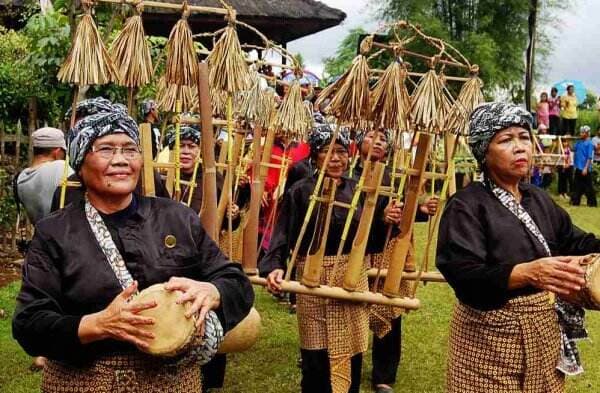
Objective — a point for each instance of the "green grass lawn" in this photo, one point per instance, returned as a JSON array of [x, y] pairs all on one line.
[[272, 364]]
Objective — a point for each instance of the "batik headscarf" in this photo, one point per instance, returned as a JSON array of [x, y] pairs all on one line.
[[361, 134], [92, 106], [189, 132], [489, 118], [321, 135], [109, 120]]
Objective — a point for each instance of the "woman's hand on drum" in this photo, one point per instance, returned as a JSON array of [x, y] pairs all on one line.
[[561, 275], [119, 321], [274, 280], [204, 297]]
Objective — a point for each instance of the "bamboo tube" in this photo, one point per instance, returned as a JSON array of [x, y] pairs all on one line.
[[325, 291], [209, 180], [88, 61], [148, 188], [250, 235], [65, 175], [182, 63], [130, 53], [400, 251], [311, 275], [177, 154], [410, 276], [356, 259]]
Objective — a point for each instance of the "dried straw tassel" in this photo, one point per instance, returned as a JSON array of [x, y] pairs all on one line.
[[88, 62], [131, 54], [228, 70], [182, 62], [351, 101], [469, 98], [169, 94], [293, 118], [218, 98], [391, 102], [429, 104], [252, 101]]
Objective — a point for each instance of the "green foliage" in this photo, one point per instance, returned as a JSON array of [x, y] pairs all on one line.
[[338, 64], [17, 80], [7, 202], [589, 118], [590, 101]]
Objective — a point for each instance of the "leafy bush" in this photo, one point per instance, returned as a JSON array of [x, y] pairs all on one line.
[[589, 118]]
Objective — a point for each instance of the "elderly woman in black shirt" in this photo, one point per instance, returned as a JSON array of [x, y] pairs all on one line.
[[506, 249], [87, 260]]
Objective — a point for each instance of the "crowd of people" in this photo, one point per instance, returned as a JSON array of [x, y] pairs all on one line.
[[556, 117], [77, 292]]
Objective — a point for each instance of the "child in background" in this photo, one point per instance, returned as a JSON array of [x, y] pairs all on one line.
[[554, 111], [543, 111]]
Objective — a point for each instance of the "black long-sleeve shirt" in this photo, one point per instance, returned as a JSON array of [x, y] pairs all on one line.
[[66, 275], [480, 241], [291, 217]]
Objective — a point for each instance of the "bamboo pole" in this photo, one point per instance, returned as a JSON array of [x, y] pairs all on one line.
[[172, 6], [401, 247], [209, 175], [325, 291], [250, 235], [356, 258]]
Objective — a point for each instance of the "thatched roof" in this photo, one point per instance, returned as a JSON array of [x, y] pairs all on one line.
[[280, 20]]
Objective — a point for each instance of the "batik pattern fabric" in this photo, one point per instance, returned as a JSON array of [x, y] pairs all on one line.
[[321, 135], [340, 327], [489, 118], [91, 106], [381, 316], [208, 345], [508, 350], [186, 132], [123, 373], [570, 317]]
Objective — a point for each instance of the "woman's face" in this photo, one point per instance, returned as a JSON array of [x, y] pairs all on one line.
[[509, 153], [107, 172], [187, 155], [553, 92], [570, 90], [338, 162], [544, 97], [380, 145]]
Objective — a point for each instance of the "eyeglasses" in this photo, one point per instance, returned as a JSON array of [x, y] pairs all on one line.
[[108, 152]]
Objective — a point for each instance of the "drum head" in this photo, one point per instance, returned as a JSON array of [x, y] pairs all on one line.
[[172, 330], [593, 279]]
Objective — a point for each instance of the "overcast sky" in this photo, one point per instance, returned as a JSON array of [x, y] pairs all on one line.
[[576, 53]]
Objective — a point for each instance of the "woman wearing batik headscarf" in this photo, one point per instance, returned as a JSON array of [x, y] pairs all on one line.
[[87, 260], [333, 333], [507, 249]]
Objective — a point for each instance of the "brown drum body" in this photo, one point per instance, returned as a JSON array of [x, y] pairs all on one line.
[[589, 296], [172, 330], [244, 335]]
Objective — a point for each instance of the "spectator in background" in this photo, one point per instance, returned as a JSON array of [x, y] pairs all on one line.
[[583, 184], [568, 104], [596, 143], [543, 111], [565, 172], [149, 112], [554, 111], [36, 184]]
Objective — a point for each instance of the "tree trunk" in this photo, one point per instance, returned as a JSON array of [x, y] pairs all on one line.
[[530, 56]]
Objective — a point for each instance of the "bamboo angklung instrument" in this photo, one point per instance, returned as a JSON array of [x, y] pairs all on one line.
[[401, 247], [208, 210], [148, 187], [250, 235], [356, 261], [311, 275]]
